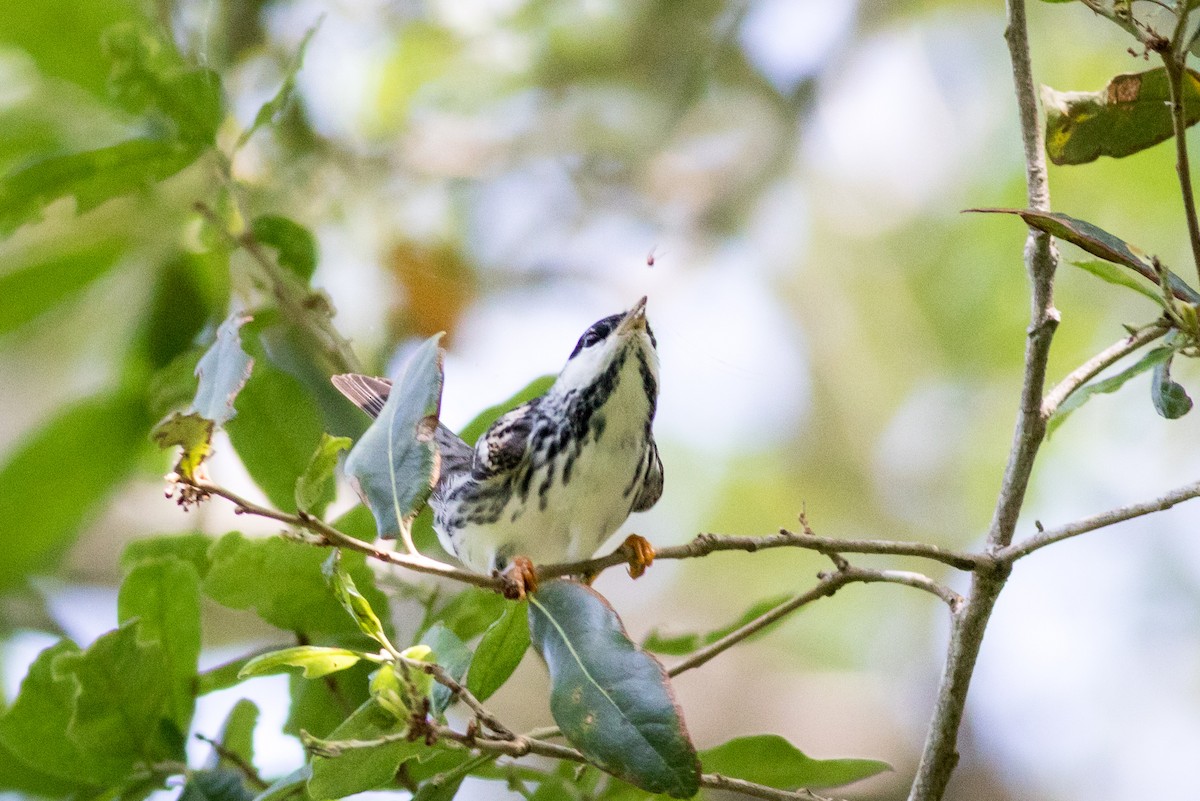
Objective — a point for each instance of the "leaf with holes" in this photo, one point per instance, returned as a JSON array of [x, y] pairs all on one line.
[[611, 699], [393, 466]]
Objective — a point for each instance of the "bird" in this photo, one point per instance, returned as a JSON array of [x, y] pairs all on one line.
[[552, 479]]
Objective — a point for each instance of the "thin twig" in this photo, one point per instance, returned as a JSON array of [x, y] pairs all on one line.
[[939, 755], [456, 689], [1109, 518], [1093, 366], [827, 586], [1173, 55], [234, 758]]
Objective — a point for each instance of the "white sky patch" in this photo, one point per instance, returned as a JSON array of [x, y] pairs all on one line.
[[787, 40]]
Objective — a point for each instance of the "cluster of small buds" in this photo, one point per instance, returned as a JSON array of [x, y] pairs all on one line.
[[185, 494]]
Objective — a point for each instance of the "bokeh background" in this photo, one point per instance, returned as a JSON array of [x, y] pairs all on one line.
[[835, 336]]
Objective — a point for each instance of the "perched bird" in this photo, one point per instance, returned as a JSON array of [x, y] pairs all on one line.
[[552, 479]]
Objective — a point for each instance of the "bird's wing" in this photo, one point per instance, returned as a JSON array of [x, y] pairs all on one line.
[[652, 484], [370, 394], [506, 442]]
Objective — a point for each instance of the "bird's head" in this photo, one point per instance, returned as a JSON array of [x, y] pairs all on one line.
[[624, 338]]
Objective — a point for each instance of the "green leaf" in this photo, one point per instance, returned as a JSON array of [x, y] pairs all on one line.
[[1101, 243], [91, 177], [362, 769], [191, 548], [319, 707], [317, 661], [1170, 398], [292, 787], [1108, 272], [483, 421], [271, 110], [316, 487], [34, 728], [686, 643], [220, 677], [189, 432], [771, 760], [1106, 386], [282, 582], [389, 692], [612, 700], [499, 652], [34, 289], [393, 465], [352, 600], [237, 735], [295, 245], [222, 372], [121, 702], [275, 432], [60, 475], [1129, 115], [163, 595], [470, 612], [454, 657], [215, 785]]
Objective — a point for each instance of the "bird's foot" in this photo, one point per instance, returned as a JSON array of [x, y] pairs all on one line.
[[520, 579], [641, 554]]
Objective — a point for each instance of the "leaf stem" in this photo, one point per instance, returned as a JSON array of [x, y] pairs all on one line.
[[1095, 365]]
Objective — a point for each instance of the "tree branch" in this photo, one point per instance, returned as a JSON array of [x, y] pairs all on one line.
[[939, 755], [1102, 360], [1103, 520], [1174, 54]]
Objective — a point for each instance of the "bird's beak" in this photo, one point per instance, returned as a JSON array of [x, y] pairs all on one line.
[[634, 319]]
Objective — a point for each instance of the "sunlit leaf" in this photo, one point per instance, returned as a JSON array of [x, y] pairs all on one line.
[[1105, 386], [1129, 115], [163, 595], [315, 489], [222, 372], [612, 700], [771, 760], [189, 432], [295, 244], [362, 769], [1169, 397], [316, 661], [393, 464], [499, 652], [351, 599], [686, 643], [1098, 242]]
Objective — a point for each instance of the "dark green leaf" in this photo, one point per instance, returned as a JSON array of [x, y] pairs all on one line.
[[392, 466], [316, 487], [163, 595], [351, 599], [499, 652], [295, 244], [31, 290], [191, 548], [121, 702], [282, 582], [483, 421], [34, 728], [192, 434], [453, 655], [91, 177], [1170, 398], [1109, 272], [191, 292], [215, 785], [469, 613], [771, 760], [315, 660], [58, 476], [1106, 386], [1129, 115], [362, 769], [276, 105], [612, 700], [275, 432], [1101, 243], [686, 643], [237, 735], [222, 372]]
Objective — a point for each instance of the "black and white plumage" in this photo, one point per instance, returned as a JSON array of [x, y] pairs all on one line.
[[552, 479]]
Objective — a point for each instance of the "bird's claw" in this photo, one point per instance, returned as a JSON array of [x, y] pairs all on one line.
[[520, 579], [641, 554]]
